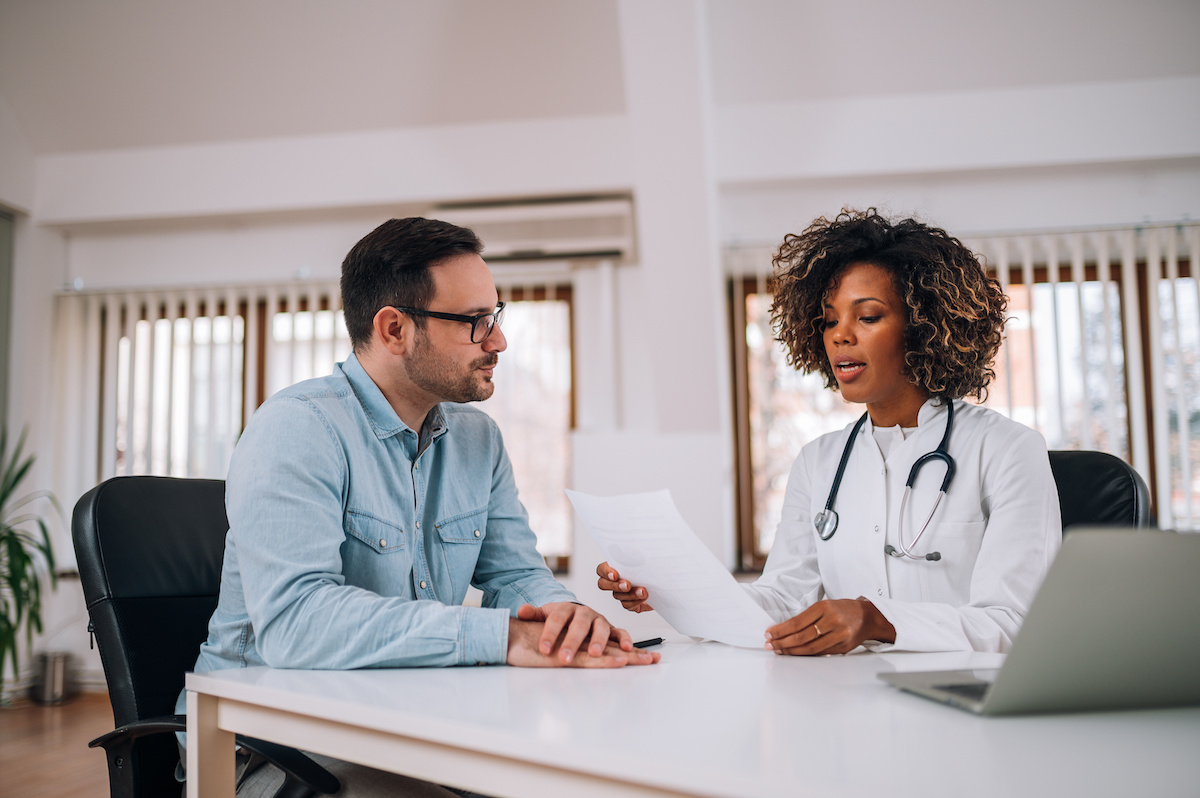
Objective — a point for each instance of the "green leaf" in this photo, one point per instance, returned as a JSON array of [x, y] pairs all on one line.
[[25, 552]]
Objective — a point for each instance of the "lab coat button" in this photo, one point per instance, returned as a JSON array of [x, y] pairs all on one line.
[[878, 592], [876, 529]]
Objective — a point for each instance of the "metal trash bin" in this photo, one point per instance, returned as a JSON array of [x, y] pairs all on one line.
[[53, 681]]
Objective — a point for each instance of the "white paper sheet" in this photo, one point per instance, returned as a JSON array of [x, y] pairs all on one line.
[[646, 540]]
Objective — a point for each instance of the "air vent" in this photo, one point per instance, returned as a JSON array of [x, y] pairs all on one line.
[[559, 229]]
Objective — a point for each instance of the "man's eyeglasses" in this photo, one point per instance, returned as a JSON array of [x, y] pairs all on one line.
[[481, 325]]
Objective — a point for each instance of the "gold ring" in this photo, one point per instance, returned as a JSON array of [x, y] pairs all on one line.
[[818, 629]]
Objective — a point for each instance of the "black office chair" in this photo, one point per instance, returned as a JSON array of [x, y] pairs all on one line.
[[1099, 489], [150, 552]]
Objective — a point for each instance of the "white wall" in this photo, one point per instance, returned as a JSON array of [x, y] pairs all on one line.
[[255, 249], [1067, 196], [38, 256], [431, 164], [801, 51], [16, 163], [934, 132]]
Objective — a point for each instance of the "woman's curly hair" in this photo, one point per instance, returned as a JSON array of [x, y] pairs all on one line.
[[955, 312]]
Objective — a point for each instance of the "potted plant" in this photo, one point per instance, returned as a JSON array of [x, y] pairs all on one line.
[[24, 550]]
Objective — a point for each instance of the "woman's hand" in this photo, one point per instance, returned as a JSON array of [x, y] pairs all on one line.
[[833, 626], [631, 597]]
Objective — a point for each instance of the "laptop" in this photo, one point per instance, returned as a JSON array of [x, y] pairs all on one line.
[[1115, 625]]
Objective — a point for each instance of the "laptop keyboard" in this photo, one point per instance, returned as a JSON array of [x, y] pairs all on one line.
[[973, 690]]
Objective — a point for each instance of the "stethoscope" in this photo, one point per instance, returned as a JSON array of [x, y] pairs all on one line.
[[826, 521]]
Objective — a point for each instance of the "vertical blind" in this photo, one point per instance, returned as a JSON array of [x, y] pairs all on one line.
[[162, 382], [1122, 374]]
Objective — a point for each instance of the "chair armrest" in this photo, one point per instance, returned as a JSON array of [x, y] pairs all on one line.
[[131, 731], [296, 766]]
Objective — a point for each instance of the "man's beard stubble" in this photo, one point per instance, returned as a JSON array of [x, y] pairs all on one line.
[[435, 374]]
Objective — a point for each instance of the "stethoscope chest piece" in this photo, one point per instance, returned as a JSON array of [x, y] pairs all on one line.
[[826, 523]]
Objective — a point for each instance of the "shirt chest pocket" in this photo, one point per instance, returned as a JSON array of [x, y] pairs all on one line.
[[382, 537], [461, 537], [468, 528]]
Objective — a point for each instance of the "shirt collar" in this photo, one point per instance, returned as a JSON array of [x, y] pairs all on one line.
[[383, 419], [932, 409]]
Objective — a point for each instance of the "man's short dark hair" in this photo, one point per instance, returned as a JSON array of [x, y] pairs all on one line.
[[390, 266]]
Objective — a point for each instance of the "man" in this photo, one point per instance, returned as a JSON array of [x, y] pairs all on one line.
[[362, 505]]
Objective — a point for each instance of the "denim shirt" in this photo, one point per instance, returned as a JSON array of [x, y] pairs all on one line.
[[353, 538]]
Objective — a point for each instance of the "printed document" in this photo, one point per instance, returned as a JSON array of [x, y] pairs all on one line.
[[646, 540]]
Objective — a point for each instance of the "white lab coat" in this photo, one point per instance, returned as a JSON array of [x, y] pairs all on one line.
[[998, 528]]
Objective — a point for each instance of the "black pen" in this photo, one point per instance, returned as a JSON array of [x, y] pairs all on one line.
[[654, 641]]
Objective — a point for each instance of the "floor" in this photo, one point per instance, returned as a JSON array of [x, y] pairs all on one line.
[[44, 752]]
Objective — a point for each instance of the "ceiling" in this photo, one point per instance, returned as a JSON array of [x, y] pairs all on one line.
[[84, 75], [797, 50]]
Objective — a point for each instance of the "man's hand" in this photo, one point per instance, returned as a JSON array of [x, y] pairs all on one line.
[[554, 635], [831, 627], [631, 597]]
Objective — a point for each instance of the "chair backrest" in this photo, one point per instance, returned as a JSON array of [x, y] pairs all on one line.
[[149, 551], [1099, 489]]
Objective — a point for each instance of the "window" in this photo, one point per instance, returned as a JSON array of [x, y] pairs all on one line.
[[534, 407], [785, 409], [1102, 351], [302, 337], [178, 388], [164, 382]]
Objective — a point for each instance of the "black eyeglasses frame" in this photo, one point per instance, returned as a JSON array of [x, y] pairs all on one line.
[[474, 321]]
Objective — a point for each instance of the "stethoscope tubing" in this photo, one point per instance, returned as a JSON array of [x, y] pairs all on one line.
[[826, 522]]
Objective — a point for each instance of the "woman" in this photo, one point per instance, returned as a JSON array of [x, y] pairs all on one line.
[[899, 317]]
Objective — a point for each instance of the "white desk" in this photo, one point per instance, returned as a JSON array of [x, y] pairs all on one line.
[[709, 720]]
